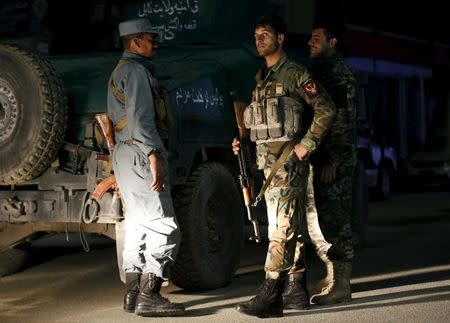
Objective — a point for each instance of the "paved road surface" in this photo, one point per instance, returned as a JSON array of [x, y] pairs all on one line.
[[403, 275]]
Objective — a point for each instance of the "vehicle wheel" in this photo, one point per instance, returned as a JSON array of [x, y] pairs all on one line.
[[210, 214], [383, 189], [33, 114], [12, 259], [360, 206]]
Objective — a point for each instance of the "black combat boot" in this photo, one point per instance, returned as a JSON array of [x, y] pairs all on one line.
[[132, 281], [267, 303], [150, 303], [338, 290], [295, 294]]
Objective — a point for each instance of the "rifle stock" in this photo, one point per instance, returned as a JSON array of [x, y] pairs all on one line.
[[107, 129], [245, 178]]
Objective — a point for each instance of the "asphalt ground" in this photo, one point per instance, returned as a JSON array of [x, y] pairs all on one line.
[[402, 275]]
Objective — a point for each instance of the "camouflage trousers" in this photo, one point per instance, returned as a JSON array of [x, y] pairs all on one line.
[[321, 245], [285, 199], [334, 206]]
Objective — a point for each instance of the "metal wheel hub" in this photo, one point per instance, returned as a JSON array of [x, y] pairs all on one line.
[[8, 111]]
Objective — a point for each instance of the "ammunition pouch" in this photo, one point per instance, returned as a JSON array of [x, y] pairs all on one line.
[[164, 118], [274, 114], [276, 118]]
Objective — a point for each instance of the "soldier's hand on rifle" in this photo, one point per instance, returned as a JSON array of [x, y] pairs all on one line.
[[328, 173], [235, 145], [301, 152], [157, 171]]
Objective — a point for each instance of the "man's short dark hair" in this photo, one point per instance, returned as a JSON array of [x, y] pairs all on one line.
[[332, 29], [274, 21]]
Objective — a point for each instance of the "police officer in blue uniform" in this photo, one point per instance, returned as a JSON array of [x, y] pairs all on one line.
[[140, 165]]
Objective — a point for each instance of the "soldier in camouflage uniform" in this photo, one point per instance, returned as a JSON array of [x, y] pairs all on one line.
[[275, 120], [334, 164]]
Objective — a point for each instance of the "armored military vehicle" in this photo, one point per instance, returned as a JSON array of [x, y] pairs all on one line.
[[52, 165], [54, 168]]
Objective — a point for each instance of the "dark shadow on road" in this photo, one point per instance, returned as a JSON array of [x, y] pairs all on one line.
[[402, 281], [240, 287], [243, 284], [52, 246], [360, 303]]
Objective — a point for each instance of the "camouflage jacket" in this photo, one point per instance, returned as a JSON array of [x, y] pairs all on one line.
[[299, 84], [339, 145]]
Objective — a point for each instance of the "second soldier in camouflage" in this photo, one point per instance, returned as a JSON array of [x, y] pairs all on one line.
[[334, 163]]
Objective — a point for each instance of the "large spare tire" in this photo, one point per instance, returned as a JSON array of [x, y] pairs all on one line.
[[33, 113]]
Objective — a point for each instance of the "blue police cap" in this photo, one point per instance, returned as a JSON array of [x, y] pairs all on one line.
[[135, 26]]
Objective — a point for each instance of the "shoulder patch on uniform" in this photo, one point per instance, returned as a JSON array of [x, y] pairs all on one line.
[[310, 87]]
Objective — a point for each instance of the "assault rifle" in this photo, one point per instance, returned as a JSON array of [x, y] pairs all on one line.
[[106, 129], [245, 177]]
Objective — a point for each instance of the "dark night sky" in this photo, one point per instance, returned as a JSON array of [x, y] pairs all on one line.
[[427, 20]]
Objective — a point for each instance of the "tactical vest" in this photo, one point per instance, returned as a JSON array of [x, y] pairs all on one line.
[[163, 116], [274, 114]]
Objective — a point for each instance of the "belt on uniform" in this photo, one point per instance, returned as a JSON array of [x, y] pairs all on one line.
[[128, 141], [131, 141]]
